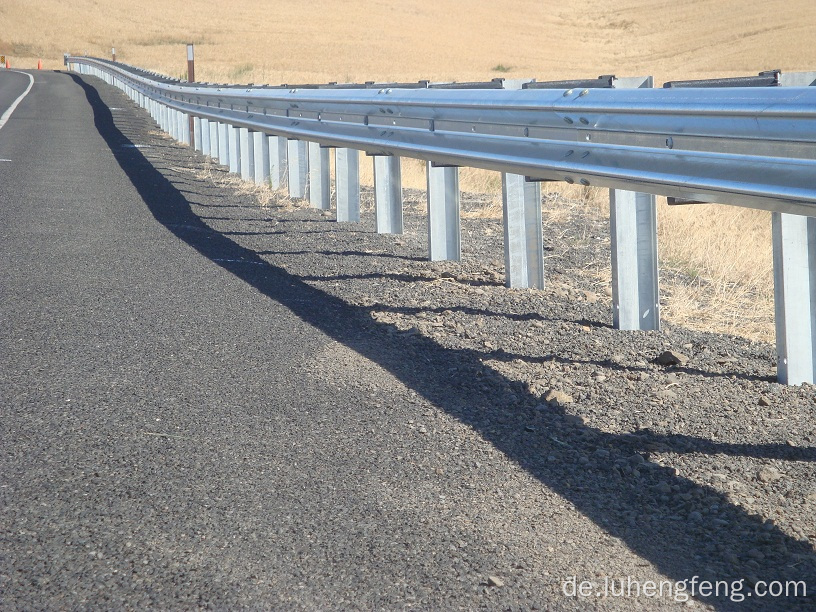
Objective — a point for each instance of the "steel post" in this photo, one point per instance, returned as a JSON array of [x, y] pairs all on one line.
[[205, 136], [444, 241], [223, 144], [260, 155], [278, 166], [247, 155], [794, 258], [234, 145], [633, 232], [298, 163], [174, 124], [184, 129], [635, 288], [523, 238], [388, 194], [196, 140], [347, 184], [319, 177], [214, 139]]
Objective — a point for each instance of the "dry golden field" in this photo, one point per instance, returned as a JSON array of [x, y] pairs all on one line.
[[725, 249]]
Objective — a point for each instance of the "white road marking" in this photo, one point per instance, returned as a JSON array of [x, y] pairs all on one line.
[[5, 116], [5, 160]]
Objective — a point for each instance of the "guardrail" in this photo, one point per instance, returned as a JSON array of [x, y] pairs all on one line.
[[746, 142]]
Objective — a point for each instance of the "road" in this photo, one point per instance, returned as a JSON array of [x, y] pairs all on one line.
[[188, 419], [14, 86]]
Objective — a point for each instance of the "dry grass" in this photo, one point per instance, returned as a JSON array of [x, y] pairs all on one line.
[[279, 41], [725, 252], [725, 255]]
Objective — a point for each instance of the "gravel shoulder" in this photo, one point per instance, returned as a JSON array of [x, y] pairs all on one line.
[[462, 445]]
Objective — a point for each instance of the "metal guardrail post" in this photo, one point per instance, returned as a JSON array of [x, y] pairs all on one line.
[[234, 146], [177, 126], [196, 141], [214, 139], [205, 136], [633, 232], [523, 238], [444, 236], [794, 261], [247, 154], [297, 161], [347, 184], [223, 144], [388, 194], [277, 161], [794, 258], [319, 177], [184, 129], [260, 154]]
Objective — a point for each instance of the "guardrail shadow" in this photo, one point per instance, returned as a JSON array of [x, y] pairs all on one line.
[[632, 498]]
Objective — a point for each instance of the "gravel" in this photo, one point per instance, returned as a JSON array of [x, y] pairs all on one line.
[[516, 439]]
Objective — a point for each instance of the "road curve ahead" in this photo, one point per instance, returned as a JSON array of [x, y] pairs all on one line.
[[14, 86]]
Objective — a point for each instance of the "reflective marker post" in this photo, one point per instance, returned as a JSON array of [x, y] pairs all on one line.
[[191, 79]]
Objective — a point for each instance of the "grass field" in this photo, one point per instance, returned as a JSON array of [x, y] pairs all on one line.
[[724, 250]]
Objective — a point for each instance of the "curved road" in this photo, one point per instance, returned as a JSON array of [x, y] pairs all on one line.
[[13, 88]]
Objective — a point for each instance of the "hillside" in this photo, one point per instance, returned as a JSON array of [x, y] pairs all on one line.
[[348, 40]]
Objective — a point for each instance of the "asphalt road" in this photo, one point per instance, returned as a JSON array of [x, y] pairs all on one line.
[[12, 86], [171, 436]]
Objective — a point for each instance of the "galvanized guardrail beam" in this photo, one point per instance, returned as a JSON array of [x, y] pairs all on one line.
[[752, 147]]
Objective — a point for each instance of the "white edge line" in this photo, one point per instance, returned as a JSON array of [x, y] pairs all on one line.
[[5, 116]]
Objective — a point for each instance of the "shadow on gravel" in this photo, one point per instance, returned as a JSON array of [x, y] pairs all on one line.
[[405, 278], [605, 476], [377, 254], [610, 365]]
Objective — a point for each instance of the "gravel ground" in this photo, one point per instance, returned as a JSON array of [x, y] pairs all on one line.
[[525, 440]]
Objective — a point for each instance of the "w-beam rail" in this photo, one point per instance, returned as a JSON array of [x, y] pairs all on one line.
[[750, 146]]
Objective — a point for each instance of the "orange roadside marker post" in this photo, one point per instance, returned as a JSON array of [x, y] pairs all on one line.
[[39, 65]]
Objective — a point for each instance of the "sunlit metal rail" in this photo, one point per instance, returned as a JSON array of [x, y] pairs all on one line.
[[750, 143]]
